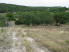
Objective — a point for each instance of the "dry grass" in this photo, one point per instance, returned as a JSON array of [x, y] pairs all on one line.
[[54, 38], [28, 47]]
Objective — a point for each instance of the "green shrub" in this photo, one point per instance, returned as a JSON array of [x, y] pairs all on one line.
[[3, 21]]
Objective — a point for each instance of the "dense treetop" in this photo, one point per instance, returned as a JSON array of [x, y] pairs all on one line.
[[33, 15]]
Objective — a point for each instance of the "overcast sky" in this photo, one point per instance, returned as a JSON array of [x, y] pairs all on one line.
[[38, 2]]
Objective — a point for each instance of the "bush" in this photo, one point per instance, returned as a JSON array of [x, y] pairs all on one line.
[[34, 18], [10, 16], [61, 17], [3, 21]]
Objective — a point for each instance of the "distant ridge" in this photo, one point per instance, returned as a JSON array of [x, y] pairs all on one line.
[[17, 8]]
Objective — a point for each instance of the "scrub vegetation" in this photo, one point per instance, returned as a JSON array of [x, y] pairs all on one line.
[[36, 29]]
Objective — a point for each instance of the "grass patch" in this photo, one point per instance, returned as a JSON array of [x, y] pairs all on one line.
[[67, 41], [28, 47]]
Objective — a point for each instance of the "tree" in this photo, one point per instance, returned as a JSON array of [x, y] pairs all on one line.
[[3, 21], [10, 16], [46, 17], [61, 17]]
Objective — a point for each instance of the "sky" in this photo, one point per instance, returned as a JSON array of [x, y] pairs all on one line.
[[49, 3]]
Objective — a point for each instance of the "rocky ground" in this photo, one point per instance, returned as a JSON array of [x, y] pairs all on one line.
[[17, 40], [34, 39]]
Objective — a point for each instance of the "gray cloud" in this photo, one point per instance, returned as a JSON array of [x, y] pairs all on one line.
[[38, 2]]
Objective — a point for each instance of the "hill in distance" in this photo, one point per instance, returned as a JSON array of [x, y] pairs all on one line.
[[17, 8]]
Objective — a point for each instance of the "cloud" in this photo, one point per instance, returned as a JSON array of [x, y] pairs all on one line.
[[38, 2]]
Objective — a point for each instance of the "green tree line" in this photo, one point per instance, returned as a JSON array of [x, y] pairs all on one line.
[[39, 18], [33, 15]]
